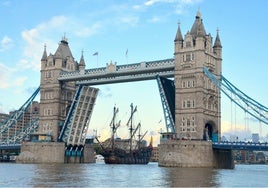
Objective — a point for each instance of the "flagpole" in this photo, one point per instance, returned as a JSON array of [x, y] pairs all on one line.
[[97, 60], [127, 56], [96, 54]]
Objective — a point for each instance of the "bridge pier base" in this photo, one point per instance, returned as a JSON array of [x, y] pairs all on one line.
[[88, 156], [185, 153], [52, 152], [41, 152], [193, 154], [223, 159]]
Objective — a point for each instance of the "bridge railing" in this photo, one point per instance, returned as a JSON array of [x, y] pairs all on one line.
[[120, 70], [241, 146]]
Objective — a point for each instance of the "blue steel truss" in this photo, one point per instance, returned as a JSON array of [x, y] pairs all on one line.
[[77, 121], [19, 136], [11, 120], [245, 102], [64, 131], [165, 90]]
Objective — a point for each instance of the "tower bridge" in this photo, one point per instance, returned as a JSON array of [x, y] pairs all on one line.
[[113, 73], [191, 103]]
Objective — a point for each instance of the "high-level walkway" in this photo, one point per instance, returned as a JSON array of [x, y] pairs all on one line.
[[113, 73]]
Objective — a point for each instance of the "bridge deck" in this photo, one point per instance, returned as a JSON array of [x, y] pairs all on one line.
[[113, 73], [241, 146]]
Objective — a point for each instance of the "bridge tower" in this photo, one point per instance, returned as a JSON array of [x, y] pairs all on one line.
[[197, 100], [65, 111], [56, 97], [197, 113]]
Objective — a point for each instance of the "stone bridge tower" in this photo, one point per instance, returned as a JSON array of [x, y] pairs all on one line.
[[56, 97], [197, 99]]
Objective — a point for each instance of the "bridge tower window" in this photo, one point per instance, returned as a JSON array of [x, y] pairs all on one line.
[[188, 57], [188, 104]]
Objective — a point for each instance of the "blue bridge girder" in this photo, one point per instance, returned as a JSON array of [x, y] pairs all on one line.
[[249, 105], [113, 73], [11, 121], [240, 146], [10, 146]]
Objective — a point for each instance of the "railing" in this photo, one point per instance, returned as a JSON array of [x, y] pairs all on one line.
[[241, 146], [113, 73]]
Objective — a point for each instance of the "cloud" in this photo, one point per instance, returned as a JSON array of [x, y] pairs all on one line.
[[36, 37], [6, 44], [151, 2], [179, 4], [231, 131], [155, 19], [8, 77], [129, 20], [105, 92], [88, 31], [6, 3]]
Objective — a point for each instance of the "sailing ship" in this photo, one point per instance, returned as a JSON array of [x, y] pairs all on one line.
[[126, 151]]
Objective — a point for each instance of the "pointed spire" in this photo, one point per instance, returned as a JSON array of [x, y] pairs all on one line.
[[63, 50], [44, 57], [198, 29], [217, 42], [82, 61], [178, 35]]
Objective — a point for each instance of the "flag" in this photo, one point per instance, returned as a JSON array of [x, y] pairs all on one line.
[[126, 52], [96, 53]]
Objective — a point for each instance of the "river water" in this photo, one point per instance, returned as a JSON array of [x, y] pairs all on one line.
[[102, 175]]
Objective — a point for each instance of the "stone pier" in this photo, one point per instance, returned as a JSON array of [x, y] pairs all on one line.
[[193, 154], [52, 152]]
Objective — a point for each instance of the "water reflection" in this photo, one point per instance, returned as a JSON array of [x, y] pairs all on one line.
[[191, 177], [151, 175], [53, 175]]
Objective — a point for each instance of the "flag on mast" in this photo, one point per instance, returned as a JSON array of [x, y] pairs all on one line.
[[96, 54], [126, 52]]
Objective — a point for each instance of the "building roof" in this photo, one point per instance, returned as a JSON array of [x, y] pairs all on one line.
[[198, 29], [217, 42], [44, 57], [82, 61], [63, 50], [178, 35]]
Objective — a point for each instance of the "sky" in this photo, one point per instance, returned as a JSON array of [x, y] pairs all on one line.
[[146, 30]]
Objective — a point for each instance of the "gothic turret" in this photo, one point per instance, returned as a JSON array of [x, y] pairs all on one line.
[[44, 57], [217, 47], [198, 29], [178, 39], [82, 64], [63, 50]]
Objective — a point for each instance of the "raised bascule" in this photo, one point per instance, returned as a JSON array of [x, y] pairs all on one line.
[[191, 105]]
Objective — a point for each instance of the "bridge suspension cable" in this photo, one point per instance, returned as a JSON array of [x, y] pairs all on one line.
[[11, 121], [249, 105]]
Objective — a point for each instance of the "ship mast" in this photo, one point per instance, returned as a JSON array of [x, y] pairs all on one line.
[[114, 126], [131, 128]]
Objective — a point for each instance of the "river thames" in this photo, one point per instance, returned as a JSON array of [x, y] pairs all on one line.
[[102, 175]]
